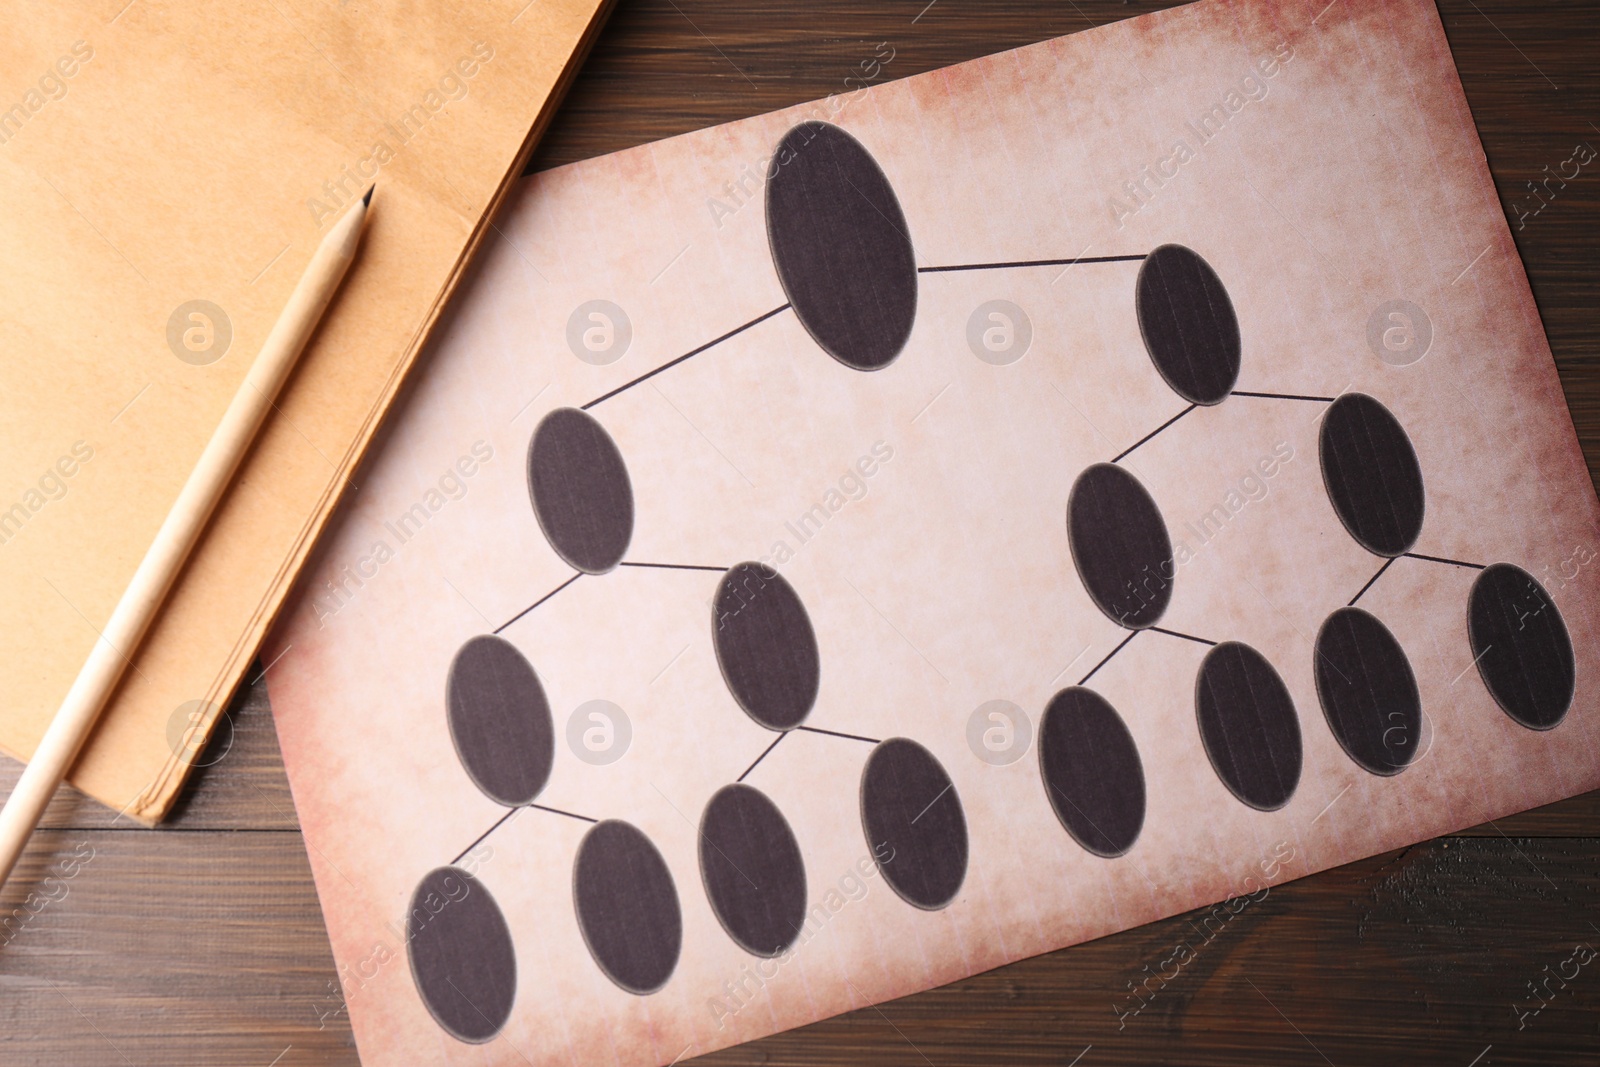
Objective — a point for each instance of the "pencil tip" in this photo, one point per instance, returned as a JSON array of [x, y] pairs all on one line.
[[367, 200]]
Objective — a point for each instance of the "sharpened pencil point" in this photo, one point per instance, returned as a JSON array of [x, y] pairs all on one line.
[[367, 199]]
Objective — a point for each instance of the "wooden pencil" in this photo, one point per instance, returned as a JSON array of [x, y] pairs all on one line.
[[143, 597]]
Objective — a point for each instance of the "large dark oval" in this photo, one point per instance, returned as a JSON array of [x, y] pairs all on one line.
[[754, 875], [1092, 771], [1248, 725], [462, 960], [1120, 545], [915, 827], [627, 907], [1521, 646], [1188, 324], [500, 720], [840, 245], [1368, 692], [1371, 474], [581, 493], [765, 646]]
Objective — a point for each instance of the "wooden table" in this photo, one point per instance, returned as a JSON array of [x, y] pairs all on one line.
[[202, 942]]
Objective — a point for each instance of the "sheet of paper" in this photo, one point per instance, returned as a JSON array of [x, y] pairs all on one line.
[[835, 553], [166, 171]]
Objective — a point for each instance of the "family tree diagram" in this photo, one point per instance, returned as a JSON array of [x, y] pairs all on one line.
[[841, 247]]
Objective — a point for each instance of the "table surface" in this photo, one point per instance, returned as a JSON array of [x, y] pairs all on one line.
[[201, 942]]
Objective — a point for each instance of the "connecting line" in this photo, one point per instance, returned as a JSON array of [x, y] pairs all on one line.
[[1121, 455], [1387, 564], [763, 756], [1085, 679], [1286, 396], [673, 566], [1186, 637], [836, 733], [502, 820], [497, 824], [1032, 263], [687, 355], [536, 603], [1441, 559], [568, 814]]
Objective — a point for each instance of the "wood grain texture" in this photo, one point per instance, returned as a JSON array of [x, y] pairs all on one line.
[[201, 942]]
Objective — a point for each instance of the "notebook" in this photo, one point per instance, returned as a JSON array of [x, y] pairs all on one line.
[[838, 552], [166, 171]]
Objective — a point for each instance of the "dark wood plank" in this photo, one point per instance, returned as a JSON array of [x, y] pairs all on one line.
[[1416, 957], [207, 947], [159, 947]]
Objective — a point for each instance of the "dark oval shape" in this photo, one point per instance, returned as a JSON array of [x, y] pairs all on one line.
[[1188, 324], [1248, 725], [1371, 474], [500, 720], [840, 245], [1521, 646], [627, 907], [1120, 546], [1092, 771], [1367, 691], [754, 875], [765, 646], [580, 489], [462, 960], [915, 827]]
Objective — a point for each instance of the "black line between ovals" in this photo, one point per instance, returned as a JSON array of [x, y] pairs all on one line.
[[479, 840], [761, 757], [1085, 679], [1032, 263], [687, 355], [836, 733], [1387, 564], [1284, 396], [568, 814], [1186, 637], [1125, 452], [536, 603], [1441, 559], [502, 820], [673, 566]]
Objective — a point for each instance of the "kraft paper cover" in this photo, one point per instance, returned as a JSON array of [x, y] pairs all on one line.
[[155, 155]]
